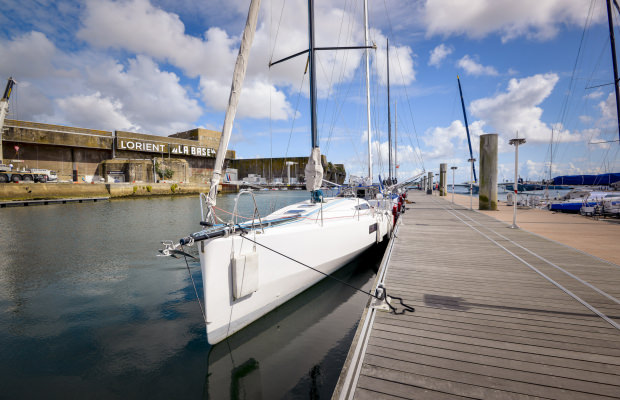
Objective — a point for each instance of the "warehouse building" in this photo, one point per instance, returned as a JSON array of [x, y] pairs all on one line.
[[89, 155]]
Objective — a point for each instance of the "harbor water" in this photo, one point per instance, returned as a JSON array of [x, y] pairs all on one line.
[[502, 192], [90, 311]]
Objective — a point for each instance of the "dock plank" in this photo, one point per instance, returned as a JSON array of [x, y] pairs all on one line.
[[500, 313]]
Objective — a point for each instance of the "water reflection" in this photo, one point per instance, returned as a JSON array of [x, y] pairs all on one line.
[[88, 309]]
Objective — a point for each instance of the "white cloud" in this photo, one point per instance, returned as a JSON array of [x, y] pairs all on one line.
[[151, 98], [478, 18], [255, 101], [140, 27], [440, 140], [29, 55], [94, 110], [52, 83], [438, 54], [517, 110], [402, 70], [608, 107], [595, 94], [474, 68]]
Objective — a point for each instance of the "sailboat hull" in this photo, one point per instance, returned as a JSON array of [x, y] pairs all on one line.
[[323, 243]]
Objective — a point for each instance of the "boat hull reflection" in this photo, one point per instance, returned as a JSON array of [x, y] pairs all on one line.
[[299, 348]]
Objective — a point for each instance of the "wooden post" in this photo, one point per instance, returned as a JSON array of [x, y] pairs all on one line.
[[488, 172], [443, 184], [429, 184]]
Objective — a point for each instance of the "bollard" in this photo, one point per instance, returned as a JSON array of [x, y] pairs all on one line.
[[443, 184]]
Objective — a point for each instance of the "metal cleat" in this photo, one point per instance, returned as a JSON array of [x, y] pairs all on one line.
[[171, 249], [381, 301]]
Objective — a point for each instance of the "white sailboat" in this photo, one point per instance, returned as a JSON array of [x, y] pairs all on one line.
[[250, 268]]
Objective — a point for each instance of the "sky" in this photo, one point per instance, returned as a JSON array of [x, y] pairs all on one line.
[[536, 69]]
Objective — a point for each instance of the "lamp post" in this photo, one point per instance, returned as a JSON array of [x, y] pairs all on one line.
[[471, 183], [516, 142], [453, 169]]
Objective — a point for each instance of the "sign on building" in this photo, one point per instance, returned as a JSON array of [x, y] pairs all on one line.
[[163, 148]]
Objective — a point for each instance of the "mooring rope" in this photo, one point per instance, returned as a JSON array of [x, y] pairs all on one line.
[[380, 298]]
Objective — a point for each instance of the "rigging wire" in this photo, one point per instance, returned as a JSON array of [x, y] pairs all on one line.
[[565, 104], [202, 310], [416, 150], [275, 40], [339, 105], [380, 298], [303, 78], [331, 78]]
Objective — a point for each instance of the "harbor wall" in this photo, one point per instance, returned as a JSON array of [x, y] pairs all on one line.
[[34, 191], [90, 155]]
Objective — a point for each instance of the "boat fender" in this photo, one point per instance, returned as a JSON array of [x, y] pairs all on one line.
[[244, 274], [395, 213]]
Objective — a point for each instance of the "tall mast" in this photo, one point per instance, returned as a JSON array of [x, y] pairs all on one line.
[[613, 58], [396, 141], [471, 154], [367, 43], [551, 157], [315, 142], [235, 91], [389, 113]]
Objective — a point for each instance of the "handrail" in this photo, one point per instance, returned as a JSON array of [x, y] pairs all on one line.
[[255, 214]]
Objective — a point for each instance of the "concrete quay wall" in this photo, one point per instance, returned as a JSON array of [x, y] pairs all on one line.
[[35, 191]]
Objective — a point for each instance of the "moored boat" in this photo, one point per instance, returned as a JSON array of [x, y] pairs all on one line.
[[250, 268]]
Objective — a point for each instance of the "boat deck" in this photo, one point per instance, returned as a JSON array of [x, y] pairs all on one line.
[[500, 313]]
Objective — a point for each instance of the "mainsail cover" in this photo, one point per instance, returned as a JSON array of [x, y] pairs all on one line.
[[314, 170], [235, 92], [602, 179]]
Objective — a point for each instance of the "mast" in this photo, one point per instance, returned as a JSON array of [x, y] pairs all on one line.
[[314, 169], [367, 43], [471, 154], [551, 157], [235, 92], [312, 74], [615, 63], [389, 113], [396, 142]]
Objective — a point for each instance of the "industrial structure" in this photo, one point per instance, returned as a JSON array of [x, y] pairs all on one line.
[[90, 155]]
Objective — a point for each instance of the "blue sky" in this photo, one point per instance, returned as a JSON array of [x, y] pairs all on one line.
[[160, 67]]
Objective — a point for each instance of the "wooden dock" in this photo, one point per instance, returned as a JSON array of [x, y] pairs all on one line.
[[44, 202], [500, 314]]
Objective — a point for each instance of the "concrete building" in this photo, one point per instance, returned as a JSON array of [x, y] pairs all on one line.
[[79, 154], [278, 169], [89, 155]]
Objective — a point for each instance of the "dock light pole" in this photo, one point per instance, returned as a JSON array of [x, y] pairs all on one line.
[[453, 169], [516, 142], [471, 183]]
